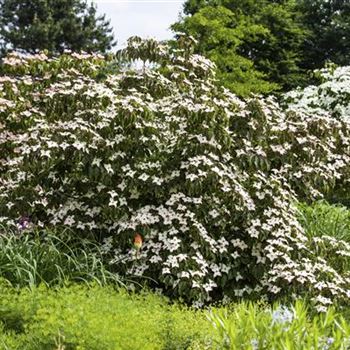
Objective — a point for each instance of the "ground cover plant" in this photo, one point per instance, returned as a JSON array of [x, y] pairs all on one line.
[[81, 317], [100, 318], [208, 181]]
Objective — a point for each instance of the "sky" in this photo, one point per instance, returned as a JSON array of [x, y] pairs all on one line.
[[145, 18]]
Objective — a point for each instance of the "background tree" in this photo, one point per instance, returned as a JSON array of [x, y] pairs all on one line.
[[53, 25], [328, 22], [220, 33], [255, 44], [278, 52]]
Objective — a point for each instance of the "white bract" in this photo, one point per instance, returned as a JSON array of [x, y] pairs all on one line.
[[331, 97]]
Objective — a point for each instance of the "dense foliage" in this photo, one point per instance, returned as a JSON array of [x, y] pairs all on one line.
[[331, 98], [53, 25], [328, 25], [255, 44], [207, 180], [95, 318], [267, 45]]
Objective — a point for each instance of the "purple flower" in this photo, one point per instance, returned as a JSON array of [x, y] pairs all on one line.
[[23, 223]]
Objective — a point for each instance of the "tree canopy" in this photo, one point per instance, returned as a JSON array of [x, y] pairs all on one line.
[[255, 44], [53, 25], [328, 23], [268, 45]]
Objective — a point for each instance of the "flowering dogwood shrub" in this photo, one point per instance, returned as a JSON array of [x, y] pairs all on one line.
[[331, 98], [208, 181]]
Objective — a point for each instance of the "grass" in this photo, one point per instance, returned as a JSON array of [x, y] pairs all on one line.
[[30, 259], [328, 230], [320, 219]]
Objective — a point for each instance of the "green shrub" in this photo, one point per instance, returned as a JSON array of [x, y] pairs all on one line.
[[32, 258], [98, 318], [208, 180]]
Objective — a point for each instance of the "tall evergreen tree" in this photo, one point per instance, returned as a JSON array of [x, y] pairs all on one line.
[[278, 53], [53, 25]]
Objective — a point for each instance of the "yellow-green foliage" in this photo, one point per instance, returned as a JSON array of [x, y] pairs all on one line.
[[252, 327], [100, 318], [96, 318]]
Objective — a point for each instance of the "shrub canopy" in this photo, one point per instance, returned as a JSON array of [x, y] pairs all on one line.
[[206, 179], [330, 98]]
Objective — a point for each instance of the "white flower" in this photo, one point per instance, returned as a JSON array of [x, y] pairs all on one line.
[[44, 153], [143, 177], [108, 168], [322, 300], [191, 177], [69, 221], [112, 193], [113, 202], [96, 161], [214, 213]]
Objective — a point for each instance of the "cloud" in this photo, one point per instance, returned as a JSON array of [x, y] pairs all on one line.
[[145, 18]]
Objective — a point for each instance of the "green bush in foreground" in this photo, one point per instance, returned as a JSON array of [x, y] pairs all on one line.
[[248, 326], [96, 318], [100, 318]]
